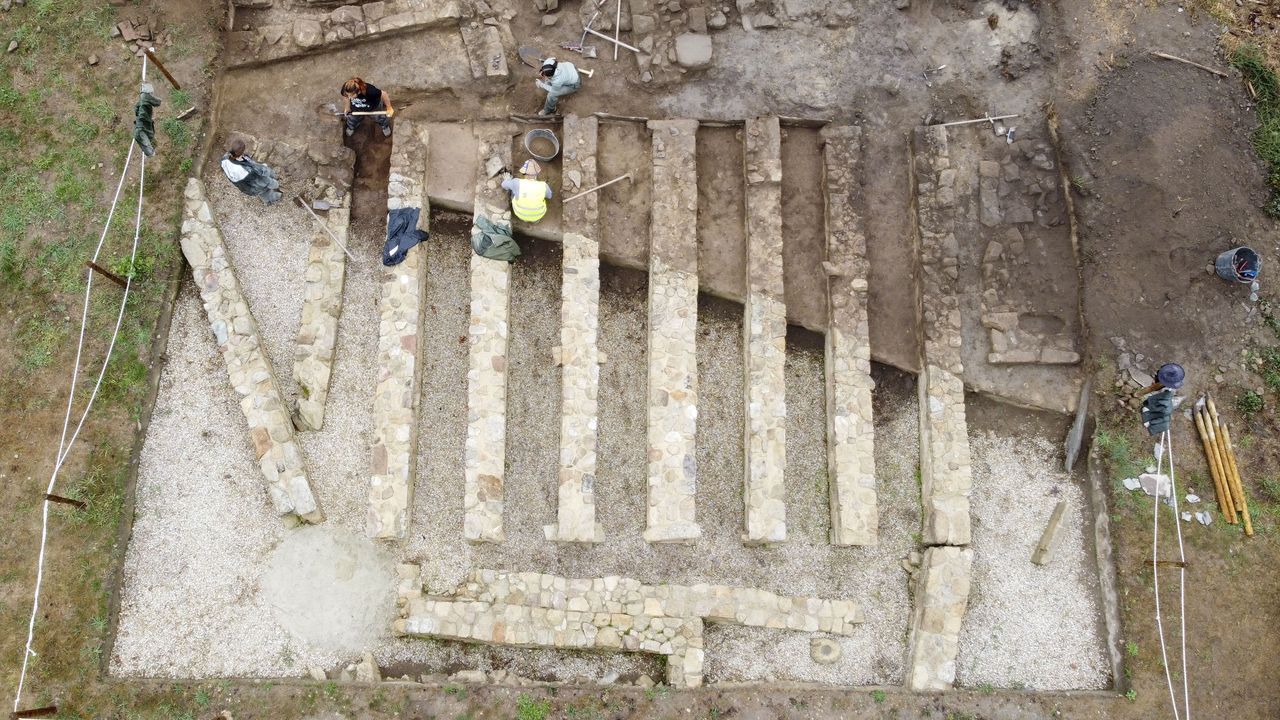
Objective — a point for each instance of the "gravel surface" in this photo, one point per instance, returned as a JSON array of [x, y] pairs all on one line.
[[195, 603], [1028, 625]]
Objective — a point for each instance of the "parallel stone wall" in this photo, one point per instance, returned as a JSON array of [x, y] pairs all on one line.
[[395, 401], [270, 428], [485, 454], [673, 325], [945, 473], [765, 336], [850, 428], [579, 332], [609, 613], [941, 598], [321, 306]]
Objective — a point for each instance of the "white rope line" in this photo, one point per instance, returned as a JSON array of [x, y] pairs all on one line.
[[1166, 441], [64, 444]]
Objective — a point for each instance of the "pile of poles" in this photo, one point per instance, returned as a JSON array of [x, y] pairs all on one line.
[[1222, 463]]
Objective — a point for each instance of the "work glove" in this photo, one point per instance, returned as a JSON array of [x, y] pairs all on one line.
[[1157, 412]]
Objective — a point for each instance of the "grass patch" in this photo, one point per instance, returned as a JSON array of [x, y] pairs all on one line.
[[878, 695], [1252, 63], [1266, 362], [1249, 403], [528, 708], [178, 132]]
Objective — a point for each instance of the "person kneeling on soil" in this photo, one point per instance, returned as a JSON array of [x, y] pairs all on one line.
[[362, 97], [252, 178], [558, 79], [529, 195]]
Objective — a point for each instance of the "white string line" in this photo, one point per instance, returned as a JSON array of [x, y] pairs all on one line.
[[1155, 573], [1182, 586], [64, 445]]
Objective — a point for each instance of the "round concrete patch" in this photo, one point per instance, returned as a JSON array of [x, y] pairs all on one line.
[[331, 589], [824, 651]]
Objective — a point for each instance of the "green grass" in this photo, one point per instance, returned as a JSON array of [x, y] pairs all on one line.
[[179, 100], [1131, 648], [178, 132], [1249, 403], [1251, 62], [527, 708], [1266, 363], [878, 696]]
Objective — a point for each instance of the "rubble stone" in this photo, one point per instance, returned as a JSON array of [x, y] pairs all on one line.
[[307, 33], [941, 599], [693, 50]]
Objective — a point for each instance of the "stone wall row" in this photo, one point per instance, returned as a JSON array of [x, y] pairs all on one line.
[[270, 427]]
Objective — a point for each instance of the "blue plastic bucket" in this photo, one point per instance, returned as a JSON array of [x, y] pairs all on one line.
[[1240, 265]]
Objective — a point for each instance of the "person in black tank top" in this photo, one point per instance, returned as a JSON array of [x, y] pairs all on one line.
[[361, 96]]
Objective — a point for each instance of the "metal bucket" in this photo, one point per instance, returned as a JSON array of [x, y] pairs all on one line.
[[1240, 265], [544, 135]]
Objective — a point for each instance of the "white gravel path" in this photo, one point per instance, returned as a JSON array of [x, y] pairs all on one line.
[[1028, 625]]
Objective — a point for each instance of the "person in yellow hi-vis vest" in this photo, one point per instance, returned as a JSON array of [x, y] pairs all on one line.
[[529, 195]]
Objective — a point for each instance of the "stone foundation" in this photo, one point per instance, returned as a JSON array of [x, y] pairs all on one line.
[[609, 613], [941, 598], [673, 324], [579, 331], [765, 336], [236, 332], [485, 455], [850, 428], [395, 401]]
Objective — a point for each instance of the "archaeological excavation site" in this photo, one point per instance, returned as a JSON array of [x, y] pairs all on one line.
[[789, 373]]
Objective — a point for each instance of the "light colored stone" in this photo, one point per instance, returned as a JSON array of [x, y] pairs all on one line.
[[270, 431], [941, 598], [850, 426], [693, 50]]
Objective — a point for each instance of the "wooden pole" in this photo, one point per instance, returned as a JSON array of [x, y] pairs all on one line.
[[602, 185], [1235, 479], [1238, 500], [617, 31], [979, 120], [164, 71], [617, 43], [1225, 505], [324, 227], [47, 711], [65, 501]]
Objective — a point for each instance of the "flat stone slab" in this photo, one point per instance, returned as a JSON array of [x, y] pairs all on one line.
[[673, 323], [270, 426], [941, 598], [851, 467]]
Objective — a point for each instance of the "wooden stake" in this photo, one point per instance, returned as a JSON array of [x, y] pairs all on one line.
[[1225, 506], [1175, 58], [106, 273], [167, 76], [65, 501], [1239, 486], [1236, 495], [47, 711]]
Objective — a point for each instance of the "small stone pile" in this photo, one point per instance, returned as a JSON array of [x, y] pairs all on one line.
[[673, 36]]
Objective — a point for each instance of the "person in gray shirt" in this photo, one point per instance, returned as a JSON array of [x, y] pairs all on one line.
[[557, 79]]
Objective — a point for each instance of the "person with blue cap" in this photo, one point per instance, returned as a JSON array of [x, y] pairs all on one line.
[[529, 195]]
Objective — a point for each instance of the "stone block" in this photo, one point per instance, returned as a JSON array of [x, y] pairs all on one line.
[[307, 33]]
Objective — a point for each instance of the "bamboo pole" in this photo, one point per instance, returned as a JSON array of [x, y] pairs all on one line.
[[1223, 472], [1235, 476], [1224, 494], [1233, 472], [1237, 497]]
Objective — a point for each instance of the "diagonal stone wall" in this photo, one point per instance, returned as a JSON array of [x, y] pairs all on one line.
[[579, 329], [850, 428], [270, 428], [485, 450], [673, 320], [395, 400], [945, 464], [765, 336]]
